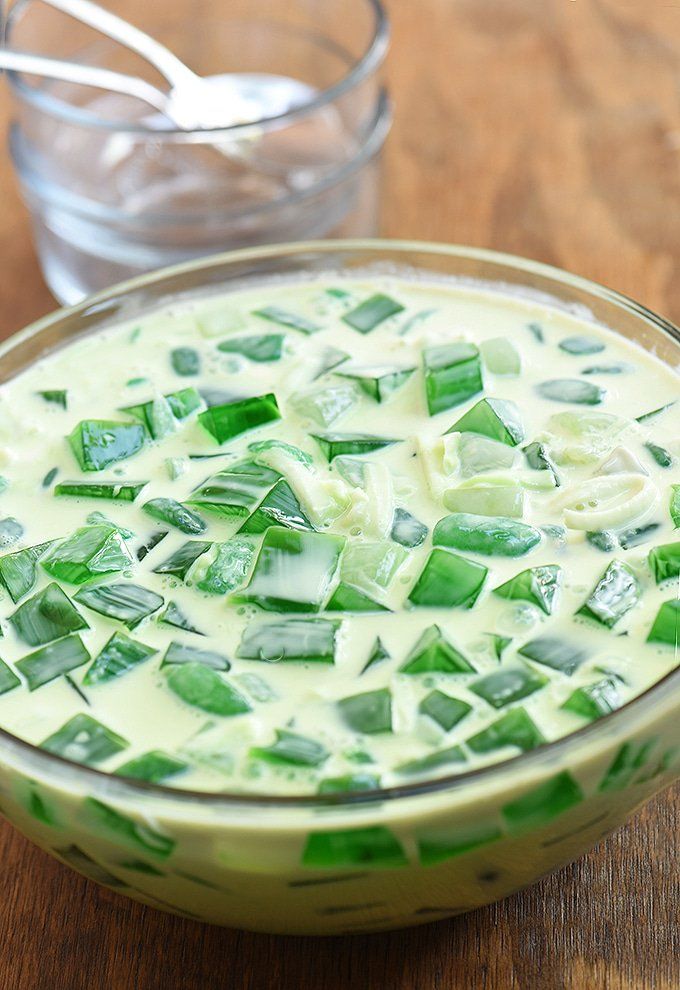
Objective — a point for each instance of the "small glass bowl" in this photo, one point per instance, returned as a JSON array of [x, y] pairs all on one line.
[[114, 190], [368, 860]]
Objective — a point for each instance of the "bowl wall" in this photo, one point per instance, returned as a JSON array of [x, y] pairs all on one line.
[[366, 862]]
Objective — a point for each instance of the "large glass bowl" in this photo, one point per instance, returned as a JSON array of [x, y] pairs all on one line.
[[373, 860]]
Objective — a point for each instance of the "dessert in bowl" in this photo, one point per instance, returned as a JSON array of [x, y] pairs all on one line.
[[340, 581]]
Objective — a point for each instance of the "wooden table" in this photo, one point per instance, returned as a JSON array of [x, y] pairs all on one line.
[[550, 129]]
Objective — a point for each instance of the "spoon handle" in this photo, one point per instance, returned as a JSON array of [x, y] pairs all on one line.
[[83, 75], [168, 64]]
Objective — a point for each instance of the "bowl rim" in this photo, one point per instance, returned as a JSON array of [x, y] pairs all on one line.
[[361, 68], [95, 304]]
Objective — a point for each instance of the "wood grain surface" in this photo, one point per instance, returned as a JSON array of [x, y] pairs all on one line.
[[549, 128]]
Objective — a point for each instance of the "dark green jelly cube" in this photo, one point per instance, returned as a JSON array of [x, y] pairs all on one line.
[[541, 805], [373, 846], [503, 687], [448, 580]]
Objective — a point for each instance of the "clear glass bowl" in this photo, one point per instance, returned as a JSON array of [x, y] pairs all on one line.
[[372, 860], [115, 191]]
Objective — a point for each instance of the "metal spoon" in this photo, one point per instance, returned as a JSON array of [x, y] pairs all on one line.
[[86, 75], [193, 101]]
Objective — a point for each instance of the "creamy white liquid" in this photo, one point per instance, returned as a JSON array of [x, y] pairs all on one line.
[[139, 707]]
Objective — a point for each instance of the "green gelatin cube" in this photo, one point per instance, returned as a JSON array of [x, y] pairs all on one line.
[[346, 598], [664, 562], [280, 507], [18, 570], [453, 374], [275, 314], [46, 616], [372, 846], [621, 368], [257, 688], [433, 761], [372, 564], [437, 845], [370, 712], [294, 571], [655, 412], [97, 443], [377, 655], [324, 405], [224, 422], [351, 469], [229, 568], [372, 312], [117, 491], [636, 535], [581, 344], [338, 444], [515, 728], [263, 447], [84, 740], [407, 530], [328, 359], [499, 644], [260, 348], [379, 383], [663, 457], [541, 805], [555, 653], [448, 580], [480, 455], [52, 661], [236, 491], [126, 602], [55, 396], [39, 808], [350, 782], [8, 679], [173, 615], [119, 655], [182, 560], [493, 497], [154, 767], [666, 626], [443, 709], [503, 687], [118, 827], [178, 653], [292, 750], [433, 652], [538, 585], [494, 536], [173, 513], [571, 390], [91, 552], [538, 459], [674, 507], [630, 758], [501, 356], [615, 594], [203, 688], [498, 419], [185, 361], [292, 640], [594, 700], [603, 540], [10, 531], [160, 415]]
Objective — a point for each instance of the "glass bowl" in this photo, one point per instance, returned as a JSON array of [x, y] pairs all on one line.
[[372, 860], [115, 191]]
